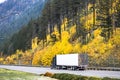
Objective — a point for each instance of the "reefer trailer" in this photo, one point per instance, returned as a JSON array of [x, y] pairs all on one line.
[[70, 61]]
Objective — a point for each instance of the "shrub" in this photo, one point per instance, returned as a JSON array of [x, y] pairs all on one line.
[[48, 74], [106, 78], [65, 76]]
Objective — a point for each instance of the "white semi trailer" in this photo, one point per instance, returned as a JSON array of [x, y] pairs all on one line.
[[70, 61]]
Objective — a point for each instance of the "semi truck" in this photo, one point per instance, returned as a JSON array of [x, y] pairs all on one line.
[[70, 61]]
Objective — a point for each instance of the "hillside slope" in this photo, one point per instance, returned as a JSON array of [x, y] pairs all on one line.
[[70, 26], [16, 13]]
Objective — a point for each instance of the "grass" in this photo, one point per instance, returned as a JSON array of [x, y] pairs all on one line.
[[16, 75]]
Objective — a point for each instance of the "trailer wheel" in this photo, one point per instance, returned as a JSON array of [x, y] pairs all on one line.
[[73, 68]]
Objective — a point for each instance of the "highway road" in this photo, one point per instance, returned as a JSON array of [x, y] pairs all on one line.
[[42, 70]]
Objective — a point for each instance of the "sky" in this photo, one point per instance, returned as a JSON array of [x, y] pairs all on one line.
[[1, 1]]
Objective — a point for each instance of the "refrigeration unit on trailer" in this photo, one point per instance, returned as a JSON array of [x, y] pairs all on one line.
[[70, 61]]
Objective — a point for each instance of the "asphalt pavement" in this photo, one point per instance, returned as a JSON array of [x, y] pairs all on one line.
[[42, 70]]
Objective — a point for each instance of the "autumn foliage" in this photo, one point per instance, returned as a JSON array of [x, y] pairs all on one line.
[[98, 50]]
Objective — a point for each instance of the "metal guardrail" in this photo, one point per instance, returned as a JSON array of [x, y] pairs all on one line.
[[27, 65], [104, 68]]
